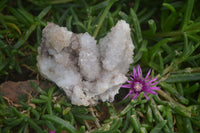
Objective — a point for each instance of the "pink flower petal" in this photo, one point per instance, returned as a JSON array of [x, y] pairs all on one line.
[[128, 94], [146, 96], [152, 80], [134, 73], [148, 74], [135, 96], [130, 78], [151, 92], [155, 83], [148, 79], [126, 86], [139, 71], [129, 81], [154, 88], [125, 96]]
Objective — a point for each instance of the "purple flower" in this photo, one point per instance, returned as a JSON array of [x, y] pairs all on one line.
[[139, 84], [52, 132]]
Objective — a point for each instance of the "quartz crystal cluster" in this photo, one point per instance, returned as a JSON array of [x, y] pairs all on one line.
[[87, 72]]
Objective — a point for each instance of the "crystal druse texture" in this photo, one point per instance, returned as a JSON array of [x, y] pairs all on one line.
[[87, 72]]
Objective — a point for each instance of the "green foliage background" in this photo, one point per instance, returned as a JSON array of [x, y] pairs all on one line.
[[166, 35]]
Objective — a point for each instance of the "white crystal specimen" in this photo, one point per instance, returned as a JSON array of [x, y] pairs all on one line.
[[87, 72]]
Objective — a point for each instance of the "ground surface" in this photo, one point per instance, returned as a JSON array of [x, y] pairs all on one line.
[[166, 35]]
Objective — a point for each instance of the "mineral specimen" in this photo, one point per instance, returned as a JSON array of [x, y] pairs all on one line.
[[87, 72]]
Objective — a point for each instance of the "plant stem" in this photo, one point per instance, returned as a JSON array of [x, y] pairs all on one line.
[[111, 2]]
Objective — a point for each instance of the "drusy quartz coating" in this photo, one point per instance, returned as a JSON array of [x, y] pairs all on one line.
[[87, 72]]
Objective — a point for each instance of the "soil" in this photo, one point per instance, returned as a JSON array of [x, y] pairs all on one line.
[[13, 91]]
